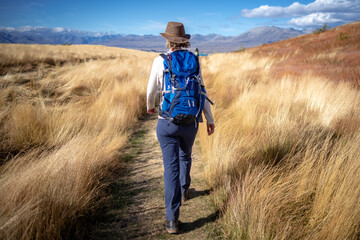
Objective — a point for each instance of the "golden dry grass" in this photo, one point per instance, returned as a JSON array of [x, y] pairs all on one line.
[[66, 113], [284, 159]]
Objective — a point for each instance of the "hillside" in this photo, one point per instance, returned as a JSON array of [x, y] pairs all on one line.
[[334, 54]]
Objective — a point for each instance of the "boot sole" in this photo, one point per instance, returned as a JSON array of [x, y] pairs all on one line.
[[172, 231]]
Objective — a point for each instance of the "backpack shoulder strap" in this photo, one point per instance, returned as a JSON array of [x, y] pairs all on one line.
[[166, 58], [197, 60]]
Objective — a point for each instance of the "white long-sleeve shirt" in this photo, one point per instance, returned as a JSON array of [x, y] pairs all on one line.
[[156, 79]]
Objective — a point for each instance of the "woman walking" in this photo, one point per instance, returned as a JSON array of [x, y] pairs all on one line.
[[178, 118]]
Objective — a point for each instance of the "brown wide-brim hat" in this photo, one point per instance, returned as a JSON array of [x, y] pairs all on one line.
[[175, 32]]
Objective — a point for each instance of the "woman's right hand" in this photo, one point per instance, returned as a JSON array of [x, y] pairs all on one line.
[[210, 128]]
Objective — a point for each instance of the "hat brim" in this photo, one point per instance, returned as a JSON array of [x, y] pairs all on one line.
[[175, 39]]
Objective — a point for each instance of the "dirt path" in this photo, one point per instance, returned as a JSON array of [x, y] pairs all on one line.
[[138, 209]]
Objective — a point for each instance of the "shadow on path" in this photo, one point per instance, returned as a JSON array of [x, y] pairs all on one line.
[[191, 226], [194, 194]]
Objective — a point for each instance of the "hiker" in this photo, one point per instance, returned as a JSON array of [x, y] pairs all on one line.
[[177, 128]]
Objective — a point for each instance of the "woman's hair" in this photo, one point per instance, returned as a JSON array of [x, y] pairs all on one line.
[[171, 45]]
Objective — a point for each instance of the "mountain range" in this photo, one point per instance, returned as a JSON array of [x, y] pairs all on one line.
[[206, 43]]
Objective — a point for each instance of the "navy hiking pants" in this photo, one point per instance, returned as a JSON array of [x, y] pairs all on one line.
[[176, 143]]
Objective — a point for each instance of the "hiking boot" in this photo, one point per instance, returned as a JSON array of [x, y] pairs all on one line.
[[171, 226], [185, 196]]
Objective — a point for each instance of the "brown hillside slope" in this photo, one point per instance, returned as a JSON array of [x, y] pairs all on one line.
[[334, 54]]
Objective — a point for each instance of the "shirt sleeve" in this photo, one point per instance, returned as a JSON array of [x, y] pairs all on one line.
[[207, 109], [154, 81]]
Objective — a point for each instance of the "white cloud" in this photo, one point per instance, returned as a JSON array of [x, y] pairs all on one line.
[[333, 6], [269, 11], [315, 19], [312, 14]]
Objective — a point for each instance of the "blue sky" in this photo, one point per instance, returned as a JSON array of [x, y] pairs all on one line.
[[226, 17]]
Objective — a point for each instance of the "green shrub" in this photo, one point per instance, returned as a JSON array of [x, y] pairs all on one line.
[[342, 36], [322, 29], [242, 49]]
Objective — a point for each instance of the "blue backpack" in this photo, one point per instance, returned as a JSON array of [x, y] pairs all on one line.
[[183, 96]]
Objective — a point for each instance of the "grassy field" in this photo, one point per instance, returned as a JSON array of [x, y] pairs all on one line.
[[285, 157], [283, 162], [66, 114]]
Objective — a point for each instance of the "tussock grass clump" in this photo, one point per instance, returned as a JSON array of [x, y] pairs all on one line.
[[47, 193], [284, 159], [63, 130]]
